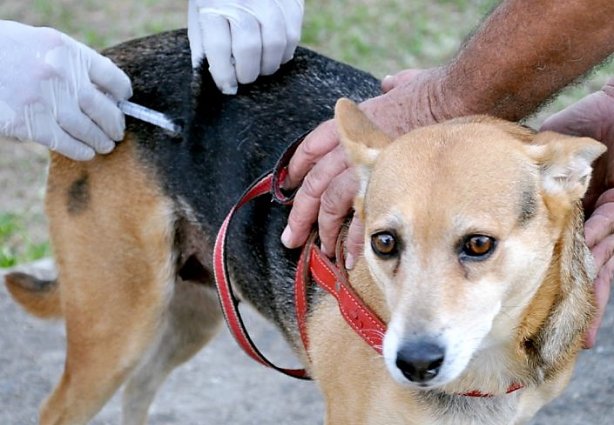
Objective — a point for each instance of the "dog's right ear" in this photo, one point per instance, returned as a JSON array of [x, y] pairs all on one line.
[[361, 139]]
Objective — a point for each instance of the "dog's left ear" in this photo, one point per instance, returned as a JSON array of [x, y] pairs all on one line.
[[361, 139], [565, 163]]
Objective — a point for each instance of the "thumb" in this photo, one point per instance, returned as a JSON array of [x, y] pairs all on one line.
[[560, 122], [354, 242]]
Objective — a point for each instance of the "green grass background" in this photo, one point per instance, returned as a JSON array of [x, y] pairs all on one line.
[[381, 36]]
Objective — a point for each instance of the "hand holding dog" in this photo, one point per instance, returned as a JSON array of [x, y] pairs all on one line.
[[329, 185], [55, 91], [419, 98], [243, 39], [593, 116]]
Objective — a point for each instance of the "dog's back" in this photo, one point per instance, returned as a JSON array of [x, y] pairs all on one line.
[[133, 231], [227, 142]]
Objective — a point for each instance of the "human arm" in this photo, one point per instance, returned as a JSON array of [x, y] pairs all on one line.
[[243, 39], [517, 59], [58, 92]]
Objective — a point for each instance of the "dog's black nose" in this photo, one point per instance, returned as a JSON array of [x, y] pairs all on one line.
[[420, 361]]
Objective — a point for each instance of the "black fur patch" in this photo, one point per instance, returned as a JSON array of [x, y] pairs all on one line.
[[193, 271], [79, 195], [528, 206]]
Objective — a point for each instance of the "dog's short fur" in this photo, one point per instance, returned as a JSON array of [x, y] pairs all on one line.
[[132, 234]]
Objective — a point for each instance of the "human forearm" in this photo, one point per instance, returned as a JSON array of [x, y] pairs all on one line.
[[525, 52]]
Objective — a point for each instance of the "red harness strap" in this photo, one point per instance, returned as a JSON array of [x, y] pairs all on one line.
[[330, 277], [228, 300], [311, 263]]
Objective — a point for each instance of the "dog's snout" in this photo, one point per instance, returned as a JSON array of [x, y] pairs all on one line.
[[420, 361]]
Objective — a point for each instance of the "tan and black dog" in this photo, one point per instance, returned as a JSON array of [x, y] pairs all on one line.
[[474, 252]]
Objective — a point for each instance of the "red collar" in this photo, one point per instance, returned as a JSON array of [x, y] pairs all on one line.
[[312, 264]]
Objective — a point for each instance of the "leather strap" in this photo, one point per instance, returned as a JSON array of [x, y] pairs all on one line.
[[360, 318], [311, 263], [280, 172], [228, 300]]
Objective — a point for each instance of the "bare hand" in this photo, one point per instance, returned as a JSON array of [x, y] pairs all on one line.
[[328, 184]]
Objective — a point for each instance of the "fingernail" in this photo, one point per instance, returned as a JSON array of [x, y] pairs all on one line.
[[286, 237], [349, 261], [229, 89], [106, 149]]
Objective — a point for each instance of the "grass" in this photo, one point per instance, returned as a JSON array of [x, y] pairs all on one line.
[[380, 36], [15, 244]]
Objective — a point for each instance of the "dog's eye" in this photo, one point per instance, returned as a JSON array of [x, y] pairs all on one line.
[[384, 244], [477, 246]]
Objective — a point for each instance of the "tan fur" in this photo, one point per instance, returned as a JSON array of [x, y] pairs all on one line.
[[41, 299], [424, 187], [119, 300], [130, 319]]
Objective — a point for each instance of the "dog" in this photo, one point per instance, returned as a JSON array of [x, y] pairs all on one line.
[[473, 256]]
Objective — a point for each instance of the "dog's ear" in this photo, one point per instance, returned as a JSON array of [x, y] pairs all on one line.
[[361, 139], [565, 163]]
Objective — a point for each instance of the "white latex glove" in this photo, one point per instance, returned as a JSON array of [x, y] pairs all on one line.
[[243, 38], [58, 92]]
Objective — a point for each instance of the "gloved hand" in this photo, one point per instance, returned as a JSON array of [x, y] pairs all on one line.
[[243, 38], [59, 92]]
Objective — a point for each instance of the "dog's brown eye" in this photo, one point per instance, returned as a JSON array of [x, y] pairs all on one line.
[[477, 246], [384, 244]]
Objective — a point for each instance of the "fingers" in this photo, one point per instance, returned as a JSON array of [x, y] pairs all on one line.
[[336, 202], [76, 100], [308, 198], [317, 144], [108, 77], [215, 36], [195, 38], [354, 242], [602, 287], [246, 46], [273, 33], [242, 40], [293, 15], [599, 234], [100, 70], [601, 222], [46, 131], [70, 147], [104, 112], [80, 127]]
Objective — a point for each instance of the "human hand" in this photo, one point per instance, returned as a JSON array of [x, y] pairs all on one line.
[[243, 39], [598, 231], [593, 116], [58, 92], [329, 185]]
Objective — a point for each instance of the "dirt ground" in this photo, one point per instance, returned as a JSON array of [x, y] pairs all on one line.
[[221, 385]]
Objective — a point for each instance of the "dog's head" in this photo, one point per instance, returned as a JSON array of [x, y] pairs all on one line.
[[463, 222]]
